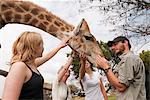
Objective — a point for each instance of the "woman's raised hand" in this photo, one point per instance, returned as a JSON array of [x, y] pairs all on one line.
[[83, 57], [64, 42]]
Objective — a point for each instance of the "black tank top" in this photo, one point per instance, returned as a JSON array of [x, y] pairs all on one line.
[[33, 88]]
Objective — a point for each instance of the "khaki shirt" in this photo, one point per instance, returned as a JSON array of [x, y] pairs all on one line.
[[131, 72]]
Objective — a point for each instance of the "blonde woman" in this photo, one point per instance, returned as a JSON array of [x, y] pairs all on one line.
[[24, 81]]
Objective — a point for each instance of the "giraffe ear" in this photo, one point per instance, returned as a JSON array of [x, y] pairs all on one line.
[[82, 26]]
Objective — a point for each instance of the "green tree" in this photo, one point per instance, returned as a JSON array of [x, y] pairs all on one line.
[[109, 55], [105, 50], [145, 56]]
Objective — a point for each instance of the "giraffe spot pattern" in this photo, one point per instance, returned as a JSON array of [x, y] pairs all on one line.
[[42, 26], [10, 4], [4, 7], [27, 17], [41, 16], [49, 18], [57, 23], [18, 9], [67, 27], [62, 29], [35, 11], [26, 6], [33, 21], [17, 17], [45, 23], [52, 28], [8, 15]]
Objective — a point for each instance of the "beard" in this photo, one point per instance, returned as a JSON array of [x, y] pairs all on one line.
[[121, 50]]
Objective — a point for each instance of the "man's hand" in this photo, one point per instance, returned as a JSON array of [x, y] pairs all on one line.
[[102, 62]]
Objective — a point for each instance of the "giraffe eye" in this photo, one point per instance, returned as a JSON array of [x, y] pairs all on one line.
[[89, 38]]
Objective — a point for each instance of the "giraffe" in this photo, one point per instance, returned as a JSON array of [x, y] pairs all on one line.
[[28, 13], [24, 12]]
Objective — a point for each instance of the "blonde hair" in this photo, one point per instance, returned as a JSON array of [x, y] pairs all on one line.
[[24, 48]]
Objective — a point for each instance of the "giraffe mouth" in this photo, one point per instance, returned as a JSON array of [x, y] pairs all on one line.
[[89, 56]]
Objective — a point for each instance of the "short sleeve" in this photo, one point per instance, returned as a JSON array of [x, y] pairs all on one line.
[[126, 71]]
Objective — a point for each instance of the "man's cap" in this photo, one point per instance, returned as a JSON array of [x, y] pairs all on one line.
[[117, 39]]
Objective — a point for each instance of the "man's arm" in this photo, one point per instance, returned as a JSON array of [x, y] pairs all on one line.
[[110, 75]]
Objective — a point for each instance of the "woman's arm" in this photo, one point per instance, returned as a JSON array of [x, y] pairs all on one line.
[[103, 89], [14, 81], [41, 60], [64, 69], [82, 68]]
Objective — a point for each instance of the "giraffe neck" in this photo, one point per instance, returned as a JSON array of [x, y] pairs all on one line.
[[30, 14]]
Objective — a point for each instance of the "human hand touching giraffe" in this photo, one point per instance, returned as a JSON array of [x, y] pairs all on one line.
[[102, 62], [64, 42]]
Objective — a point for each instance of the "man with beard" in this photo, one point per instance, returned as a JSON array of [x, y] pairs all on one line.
[[128, 78]]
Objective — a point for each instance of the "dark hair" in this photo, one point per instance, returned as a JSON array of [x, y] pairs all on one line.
[[118, 39], [91, 66]]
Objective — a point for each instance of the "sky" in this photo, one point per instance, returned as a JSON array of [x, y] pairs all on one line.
[[68, 10]]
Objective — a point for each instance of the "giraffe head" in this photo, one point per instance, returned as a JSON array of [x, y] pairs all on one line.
[[83, 41]]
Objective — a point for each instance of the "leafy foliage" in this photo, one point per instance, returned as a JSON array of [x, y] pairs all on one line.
[[76, 67], [106, 51], [109, 55], [145, 56]]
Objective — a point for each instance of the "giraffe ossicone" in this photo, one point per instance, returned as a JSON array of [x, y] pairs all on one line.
[[28, 13]]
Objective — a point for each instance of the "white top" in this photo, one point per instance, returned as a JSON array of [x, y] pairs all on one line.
[[59, 91], [2, 82], [92, 87]]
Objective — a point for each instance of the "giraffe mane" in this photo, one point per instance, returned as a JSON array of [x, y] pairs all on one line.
[[28, 13]]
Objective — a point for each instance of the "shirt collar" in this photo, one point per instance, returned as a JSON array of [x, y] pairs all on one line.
[[124, 54]]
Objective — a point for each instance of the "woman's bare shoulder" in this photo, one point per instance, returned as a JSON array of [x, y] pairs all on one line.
[[19, 66]]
